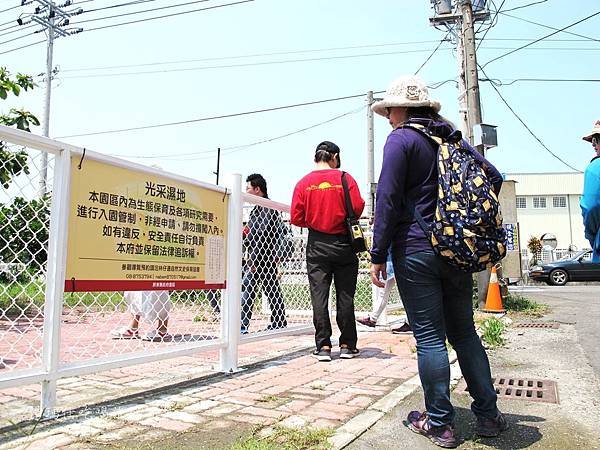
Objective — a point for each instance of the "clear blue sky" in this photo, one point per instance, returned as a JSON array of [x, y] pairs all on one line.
[[390, 38]]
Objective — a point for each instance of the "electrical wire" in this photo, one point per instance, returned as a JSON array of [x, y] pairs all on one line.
[[23, 46], [18, 37], [433, 52], [11, 8], [549, 27], [228, 66], [291, 52], [526, 6], [204, 119], [526, 126], [17, 30], [498, 82], [490, 27], [166, 15], [139, 12], [236, 148], [136, 2], [286, 61], [542, 38]]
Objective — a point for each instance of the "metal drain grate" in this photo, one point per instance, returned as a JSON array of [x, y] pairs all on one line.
[[537, 325], [521, 389]]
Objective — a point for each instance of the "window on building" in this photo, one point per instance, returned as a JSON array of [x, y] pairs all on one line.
[[521, 202], [539, 202], [559, 202]]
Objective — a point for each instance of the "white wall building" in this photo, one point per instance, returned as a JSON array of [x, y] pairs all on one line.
[[549, 203]]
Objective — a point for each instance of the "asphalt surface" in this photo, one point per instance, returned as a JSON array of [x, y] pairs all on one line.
[[564, 355]]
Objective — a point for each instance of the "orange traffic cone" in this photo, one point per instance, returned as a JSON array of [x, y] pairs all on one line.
[[493, 301]]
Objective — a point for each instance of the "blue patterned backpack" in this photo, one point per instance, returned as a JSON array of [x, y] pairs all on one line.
[[467, 227]]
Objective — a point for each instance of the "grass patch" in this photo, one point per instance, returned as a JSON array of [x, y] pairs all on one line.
[[287, 439], [492, 329], [524, 306], [268, 399]]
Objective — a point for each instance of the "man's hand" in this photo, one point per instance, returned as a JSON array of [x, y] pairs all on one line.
[[378, 271]]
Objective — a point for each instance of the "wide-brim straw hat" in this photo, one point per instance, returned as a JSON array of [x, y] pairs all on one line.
[[595, 130], [407, 91]]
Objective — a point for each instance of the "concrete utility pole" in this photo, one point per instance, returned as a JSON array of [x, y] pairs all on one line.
[[463, 19], [473, 109], [470, 65], [462, 84], [46, 15], [370, 157]]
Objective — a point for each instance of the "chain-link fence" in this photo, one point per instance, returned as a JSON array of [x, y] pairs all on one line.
[[47, 335], [275, 290], [24, 227]]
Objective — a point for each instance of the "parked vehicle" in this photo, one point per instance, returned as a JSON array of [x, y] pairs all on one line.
[[578, 267]]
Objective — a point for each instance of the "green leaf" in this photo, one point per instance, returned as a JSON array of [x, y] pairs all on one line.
[[2, 93]]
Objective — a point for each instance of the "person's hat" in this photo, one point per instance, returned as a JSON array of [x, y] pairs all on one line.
[[328, 146], [407, 91], [595, 130]]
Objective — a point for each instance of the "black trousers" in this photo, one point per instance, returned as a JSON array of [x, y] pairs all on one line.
[[331, 257]]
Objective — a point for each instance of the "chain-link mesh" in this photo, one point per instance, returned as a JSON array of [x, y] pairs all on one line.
[[24, 227], [94, 325], [98, 324], [275, 291], [274, 285]]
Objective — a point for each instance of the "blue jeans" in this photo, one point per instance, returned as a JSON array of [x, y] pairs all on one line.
[[438, 303]]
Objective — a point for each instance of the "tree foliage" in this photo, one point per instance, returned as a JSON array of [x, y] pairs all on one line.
[[24, 229], [13, 163]]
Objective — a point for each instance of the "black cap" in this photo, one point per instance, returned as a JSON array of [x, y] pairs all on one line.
[[328, 146]]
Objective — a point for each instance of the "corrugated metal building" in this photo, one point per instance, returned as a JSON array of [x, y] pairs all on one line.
[[549, 203]]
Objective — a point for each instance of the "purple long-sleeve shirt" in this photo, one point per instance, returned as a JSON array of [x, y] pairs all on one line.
[[409, 171]]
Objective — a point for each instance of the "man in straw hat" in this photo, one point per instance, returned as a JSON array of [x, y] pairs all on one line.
[[437, 297], [590, 200]]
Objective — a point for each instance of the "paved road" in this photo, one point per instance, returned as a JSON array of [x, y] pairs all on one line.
[[577, 305], [566, 355]]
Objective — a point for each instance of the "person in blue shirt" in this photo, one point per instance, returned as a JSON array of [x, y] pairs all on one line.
[[590, 200], [437, 297]]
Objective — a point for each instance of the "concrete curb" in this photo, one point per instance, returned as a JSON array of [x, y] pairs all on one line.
[[356, 426]]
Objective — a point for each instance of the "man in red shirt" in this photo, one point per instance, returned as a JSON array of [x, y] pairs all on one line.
[[318, 204]]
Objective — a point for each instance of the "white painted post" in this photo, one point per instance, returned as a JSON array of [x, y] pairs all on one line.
[[230, 317], [55, 280]]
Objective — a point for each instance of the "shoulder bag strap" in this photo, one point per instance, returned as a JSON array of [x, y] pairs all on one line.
[[349, 209]]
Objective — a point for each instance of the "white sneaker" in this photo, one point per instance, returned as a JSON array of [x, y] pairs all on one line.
[[124, 333]]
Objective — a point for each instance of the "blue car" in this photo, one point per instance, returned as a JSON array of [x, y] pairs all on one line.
[[578, 267]]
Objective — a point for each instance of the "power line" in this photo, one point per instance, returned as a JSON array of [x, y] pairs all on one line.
[[498, 82], [136, 12], [236, 148], [433, 52], [136, 2], [228, 66], [290, 52], [17, 29], [11, 8], [288, 61], [549, 27], [527, 5], [17, 38], [491, 25], [542, 38], [23, 46], [526, 126], [203, 119], [167, 15]]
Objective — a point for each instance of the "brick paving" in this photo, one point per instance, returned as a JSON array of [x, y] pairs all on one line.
[[288, 387]]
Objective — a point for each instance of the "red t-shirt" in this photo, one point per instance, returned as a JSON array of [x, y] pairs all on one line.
[[318, 201]]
